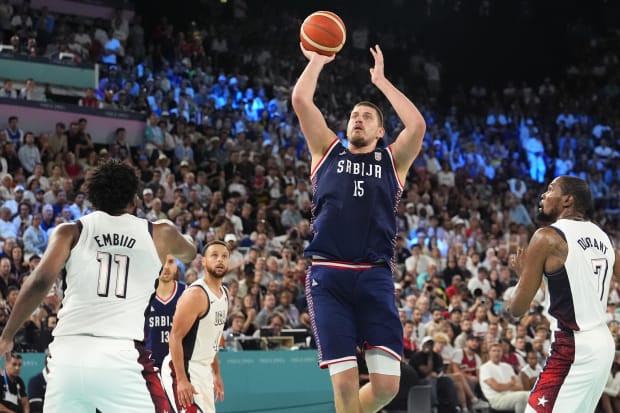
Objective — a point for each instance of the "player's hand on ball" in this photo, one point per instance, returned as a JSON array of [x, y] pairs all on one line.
[[310, 55]]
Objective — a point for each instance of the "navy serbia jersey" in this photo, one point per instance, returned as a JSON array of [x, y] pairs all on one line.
[[354, 206], [159, 323]]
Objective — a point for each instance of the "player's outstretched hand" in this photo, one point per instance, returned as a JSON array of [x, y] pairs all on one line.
[[310, 55], [377, 73], [185, 393], [517, 260]]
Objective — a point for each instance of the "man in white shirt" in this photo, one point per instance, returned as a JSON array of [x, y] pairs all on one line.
[[500, 385], [481, 281]]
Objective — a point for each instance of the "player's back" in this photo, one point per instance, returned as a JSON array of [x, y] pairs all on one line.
[[110, 277], [578, 292]]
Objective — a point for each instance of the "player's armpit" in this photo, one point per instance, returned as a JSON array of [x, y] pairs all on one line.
[[530, 265]]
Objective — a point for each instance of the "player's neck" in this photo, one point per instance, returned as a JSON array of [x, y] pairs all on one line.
[[165, 288], [215, 284]]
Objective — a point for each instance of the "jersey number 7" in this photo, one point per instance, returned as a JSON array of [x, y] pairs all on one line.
[[599, 268]]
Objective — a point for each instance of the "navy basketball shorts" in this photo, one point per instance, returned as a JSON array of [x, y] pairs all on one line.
[[352, 305]]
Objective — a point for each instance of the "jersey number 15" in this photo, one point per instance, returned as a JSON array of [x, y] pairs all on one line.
[[105, 268]]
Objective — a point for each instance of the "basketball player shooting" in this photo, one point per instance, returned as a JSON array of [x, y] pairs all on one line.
[[576, 261], [350, 289]]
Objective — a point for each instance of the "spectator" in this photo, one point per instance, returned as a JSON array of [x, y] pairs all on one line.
[[429, 366], [268, 308], [13, 132], [28, 153], [35, 239], [36, 389], [32, 92], [14, 397], [529, 373], [500, 385]]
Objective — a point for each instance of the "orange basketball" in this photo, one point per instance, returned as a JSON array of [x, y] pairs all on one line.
[[323, 32]]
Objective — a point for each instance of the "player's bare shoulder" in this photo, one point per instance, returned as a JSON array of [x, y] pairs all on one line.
[[552, 244]]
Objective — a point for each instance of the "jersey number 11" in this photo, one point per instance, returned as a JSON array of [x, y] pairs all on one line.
[[105, 268]]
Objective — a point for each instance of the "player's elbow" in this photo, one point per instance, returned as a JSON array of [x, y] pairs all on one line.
[[517, 310], [300, 100]]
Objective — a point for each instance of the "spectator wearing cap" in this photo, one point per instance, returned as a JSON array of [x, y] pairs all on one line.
[[147, 199], [236, 261], [28, 153], [18, 196], [411, 215], [37, 203], [429, 366], [163, 166]]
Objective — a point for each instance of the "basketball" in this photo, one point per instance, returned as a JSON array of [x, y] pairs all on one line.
[[323, 32]]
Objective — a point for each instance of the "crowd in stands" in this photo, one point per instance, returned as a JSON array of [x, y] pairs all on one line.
[[223, 158]]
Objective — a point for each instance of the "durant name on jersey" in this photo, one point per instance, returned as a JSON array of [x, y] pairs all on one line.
[[588, 242], [117, 240]]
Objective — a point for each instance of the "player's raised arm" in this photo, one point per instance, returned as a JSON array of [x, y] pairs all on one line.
[[168, 240], [409, 141], [313, 125]]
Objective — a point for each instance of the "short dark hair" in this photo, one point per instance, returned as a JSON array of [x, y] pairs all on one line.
[[214, 242], [112, 186], [580, 190], [375, 107]]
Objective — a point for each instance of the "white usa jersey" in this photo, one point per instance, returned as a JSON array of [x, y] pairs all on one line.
[[203, 339], [110, 278], [578, 291]]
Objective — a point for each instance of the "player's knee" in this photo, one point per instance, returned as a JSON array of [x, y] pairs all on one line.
[[385, 389]]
